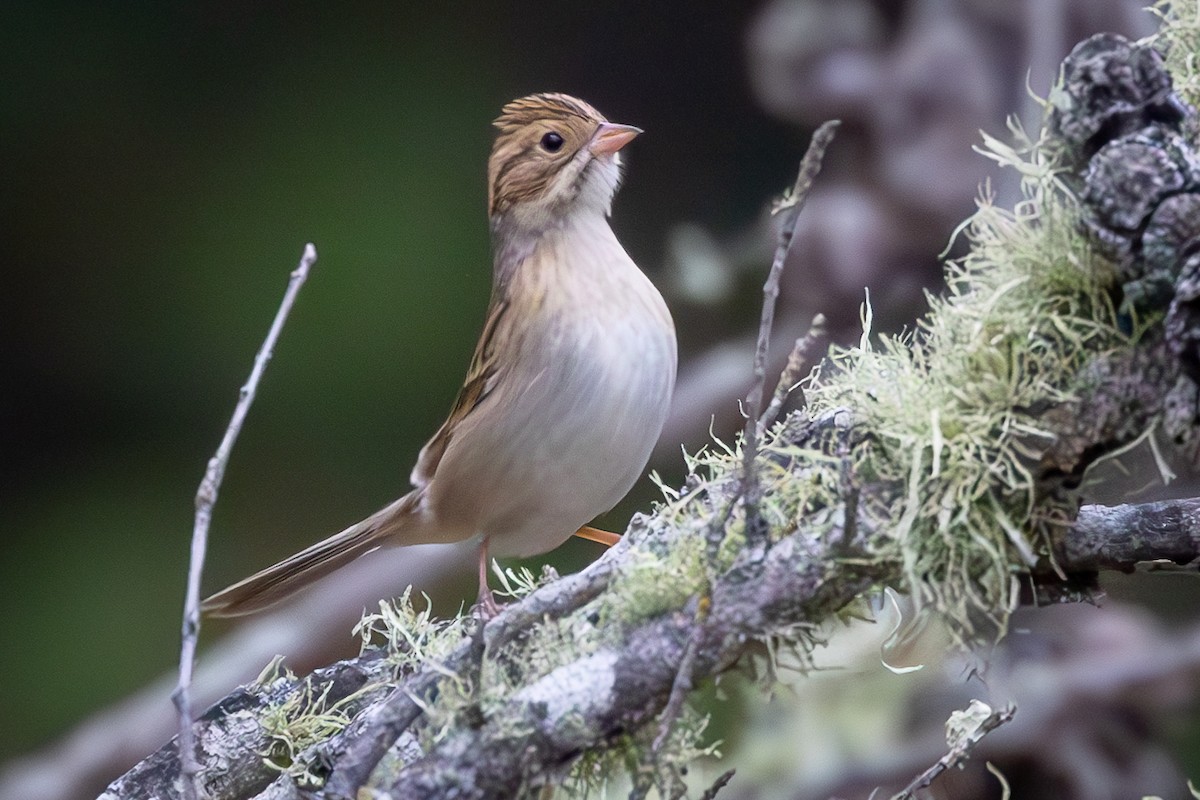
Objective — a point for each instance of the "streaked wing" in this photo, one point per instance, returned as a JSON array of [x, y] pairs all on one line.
[[477, 385]]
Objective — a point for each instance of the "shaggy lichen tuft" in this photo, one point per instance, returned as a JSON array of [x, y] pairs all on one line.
[[952, 407], [306, 718]]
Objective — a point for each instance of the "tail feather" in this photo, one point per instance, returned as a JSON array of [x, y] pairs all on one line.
[[279, 581]]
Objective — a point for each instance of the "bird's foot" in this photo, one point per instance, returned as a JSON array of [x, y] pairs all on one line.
[[606, 538], [486, 606]]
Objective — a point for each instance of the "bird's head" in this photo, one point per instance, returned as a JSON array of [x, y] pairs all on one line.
[[555, 156]]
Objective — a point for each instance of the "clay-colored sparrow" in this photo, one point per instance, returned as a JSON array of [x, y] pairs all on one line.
[[570, 382]]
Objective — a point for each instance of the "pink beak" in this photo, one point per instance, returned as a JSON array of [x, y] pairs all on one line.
[[611, 137]]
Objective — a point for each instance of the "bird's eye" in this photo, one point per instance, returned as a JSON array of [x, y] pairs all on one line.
[[552, 142]]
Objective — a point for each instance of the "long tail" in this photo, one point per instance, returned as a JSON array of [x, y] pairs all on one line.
[[275, 583]]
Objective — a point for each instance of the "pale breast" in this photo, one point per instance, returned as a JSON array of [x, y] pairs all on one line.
[[575, 410]]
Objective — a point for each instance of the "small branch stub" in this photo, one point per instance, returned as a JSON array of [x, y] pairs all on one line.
[[964, 730], [789, 379]]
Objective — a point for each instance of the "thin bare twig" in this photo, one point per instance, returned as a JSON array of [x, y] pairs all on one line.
[[206, 498], [715, 530], [787, 209], [682, 685], [789, 379]]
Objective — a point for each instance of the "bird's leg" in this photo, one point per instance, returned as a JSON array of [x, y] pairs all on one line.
[[606, 538], [486, 601]]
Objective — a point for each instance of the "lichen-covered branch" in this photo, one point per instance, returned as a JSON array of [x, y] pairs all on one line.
[[943, 464], [231, 732], [232, 737]]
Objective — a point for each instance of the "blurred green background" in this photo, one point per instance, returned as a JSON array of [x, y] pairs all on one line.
[[164, 165]]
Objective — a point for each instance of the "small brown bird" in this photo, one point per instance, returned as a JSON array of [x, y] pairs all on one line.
[[571, 378]]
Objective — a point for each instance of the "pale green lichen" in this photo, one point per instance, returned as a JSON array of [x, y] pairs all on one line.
[[411, 636], [651, 584], [951, 406], [275, 671], [306, 718]]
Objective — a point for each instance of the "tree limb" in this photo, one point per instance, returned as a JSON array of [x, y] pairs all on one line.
[[1121, 537]]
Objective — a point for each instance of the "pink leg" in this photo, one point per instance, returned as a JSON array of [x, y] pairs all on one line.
[[486, 602]]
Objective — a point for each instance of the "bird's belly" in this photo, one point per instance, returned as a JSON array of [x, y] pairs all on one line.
[[579, 420]]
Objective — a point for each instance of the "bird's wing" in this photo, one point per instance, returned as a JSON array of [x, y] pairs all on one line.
[[480, 380]]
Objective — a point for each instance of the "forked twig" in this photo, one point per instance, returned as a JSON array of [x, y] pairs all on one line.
[[206, 498], [787, 209]]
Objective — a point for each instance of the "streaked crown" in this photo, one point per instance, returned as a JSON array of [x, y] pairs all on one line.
[[545, 107]]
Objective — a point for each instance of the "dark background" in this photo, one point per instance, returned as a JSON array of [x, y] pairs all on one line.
[[163, 165]]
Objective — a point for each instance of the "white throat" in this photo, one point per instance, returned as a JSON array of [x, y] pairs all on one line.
[[585, 186]]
